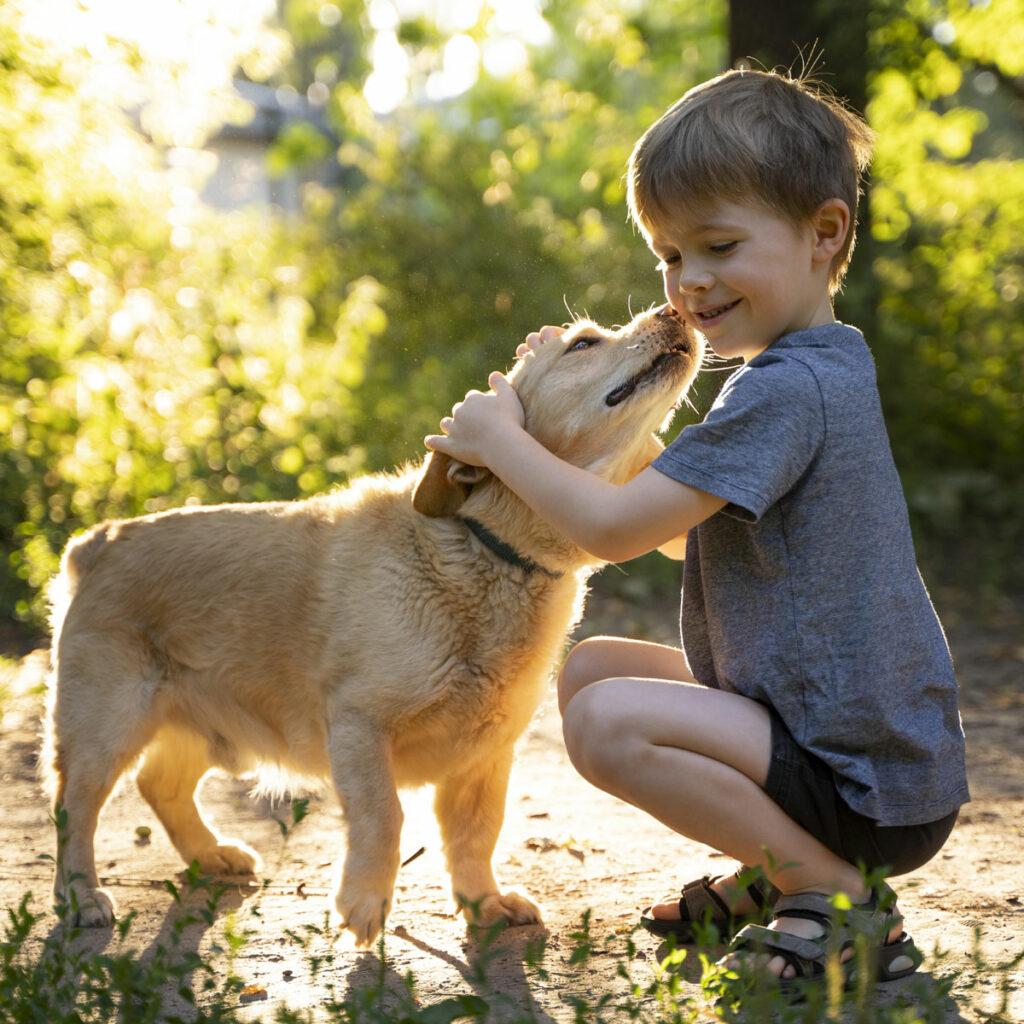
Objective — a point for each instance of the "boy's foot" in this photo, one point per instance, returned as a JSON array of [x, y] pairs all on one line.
[[727, 902], [808, 928]]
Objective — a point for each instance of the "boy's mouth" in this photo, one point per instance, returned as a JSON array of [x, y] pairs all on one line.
[[707, 316]]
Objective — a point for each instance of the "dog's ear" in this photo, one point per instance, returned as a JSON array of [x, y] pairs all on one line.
[[444, 485]]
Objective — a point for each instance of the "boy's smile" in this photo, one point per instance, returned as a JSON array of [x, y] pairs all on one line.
[[743, 275]]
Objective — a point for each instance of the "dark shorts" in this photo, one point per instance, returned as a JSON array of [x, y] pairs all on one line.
[[805, 788]]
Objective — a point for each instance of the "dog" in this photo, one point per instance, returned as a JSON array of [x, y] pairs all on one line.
[[396, 632]]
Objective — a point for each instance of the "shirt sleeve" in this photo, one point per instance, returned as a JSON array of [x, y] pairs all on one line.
[[757, 440]]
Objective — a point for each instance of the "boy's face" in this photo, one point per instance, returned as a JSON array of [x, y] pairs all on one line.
[[742, 275]]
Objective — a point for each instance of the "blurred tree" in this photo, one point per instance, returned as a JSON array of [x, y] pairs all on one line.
[[152, 353], [827, 39]]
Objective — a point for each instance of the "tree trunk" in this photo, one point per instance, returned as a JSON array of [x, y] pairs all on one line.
[[792, 34]]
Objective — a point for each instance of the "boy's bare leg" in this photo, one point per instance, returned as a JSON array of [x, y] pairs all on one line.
[[696, 759]]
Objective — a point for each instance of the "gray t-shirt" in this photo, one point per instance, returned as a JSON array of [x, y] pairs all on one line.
[[803, 592]]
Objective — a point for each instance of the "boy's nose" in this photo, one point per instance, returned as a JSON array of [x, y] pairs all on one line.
[[695, 280]]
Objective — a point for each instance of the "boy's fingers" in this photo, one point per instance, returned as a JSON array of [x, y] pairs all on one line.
[[446, 424], [436, 443], [535, 339], [497, 380]]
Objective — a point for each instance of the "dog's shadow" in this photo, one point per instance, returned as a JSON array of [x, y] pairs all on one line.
[[169, 964], [495, 968]]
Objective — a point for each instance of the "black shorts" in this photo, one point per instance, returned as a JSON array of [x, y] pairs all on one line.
[[805, 788]]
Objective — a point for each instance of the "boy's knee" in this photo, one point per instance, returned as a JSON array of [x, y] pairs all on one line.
[[581, 667], [591, 734]]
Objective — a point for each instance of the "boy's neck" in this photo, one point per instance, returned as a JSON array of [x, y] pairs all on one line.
[[822, 316]]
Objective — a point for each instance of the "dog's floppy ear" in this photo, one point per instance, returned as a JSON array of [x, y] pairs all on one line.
[[444, 485]]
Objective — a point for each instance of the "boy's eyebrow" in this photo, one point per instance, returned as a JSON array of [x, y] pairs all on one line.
[[697, 229]]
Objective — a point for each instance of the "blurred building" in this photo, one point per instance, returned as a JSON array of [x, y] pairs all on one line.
[[242, 176]]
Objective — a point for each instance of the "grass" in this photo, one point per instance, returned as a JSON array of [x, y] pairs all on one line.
[[53, 980]]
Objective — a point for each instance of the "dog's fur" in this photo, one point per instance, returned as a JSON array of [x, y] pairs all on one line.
[[365, 636]]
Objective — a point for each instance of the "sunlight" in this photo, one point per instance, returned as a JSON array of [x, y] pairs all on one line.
[[170, 60], [510, 26]]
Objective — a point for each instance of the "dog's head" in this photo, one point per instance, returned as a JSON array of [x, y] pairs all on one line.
[[594, 397]]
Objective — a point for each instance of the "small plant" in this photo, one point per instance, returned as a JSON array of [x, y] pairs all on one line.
[[57, 981]]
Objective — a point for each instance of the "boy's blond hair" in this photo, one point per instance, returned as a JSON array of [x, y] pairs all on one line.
[[745, 135]]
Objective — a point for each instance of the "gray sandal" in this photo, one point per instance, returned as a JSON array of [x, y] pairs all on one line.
[[701, 907], [808, 957]]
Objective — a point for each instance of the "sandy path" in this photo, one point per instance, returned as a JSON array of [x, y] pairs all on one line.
[[570, 846]]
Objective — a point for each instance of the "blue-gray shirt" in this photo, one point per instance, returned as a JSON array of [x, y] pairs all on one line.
[[803, 592]]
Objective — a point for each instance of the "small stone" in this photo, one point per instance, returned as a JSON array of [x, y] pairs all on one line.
[[252, 994]]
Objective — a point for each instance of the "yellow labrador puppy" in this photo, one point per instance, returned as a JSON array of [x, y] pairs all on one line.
[[396, 632]]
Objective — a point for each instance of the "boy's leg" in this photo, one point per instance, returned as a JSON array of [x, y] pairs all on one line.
[[597, 658], [697, 759]]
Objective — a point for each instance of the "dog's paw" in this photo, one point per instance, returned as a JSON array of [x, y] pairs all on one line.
[[228, 858], [362, 910], [512, 907], [90, 908]]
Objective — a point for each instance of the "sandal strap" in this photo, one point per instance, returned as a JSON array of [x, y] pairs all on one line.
[[811, 906], [800, 953], [760, 890], [697, 896]]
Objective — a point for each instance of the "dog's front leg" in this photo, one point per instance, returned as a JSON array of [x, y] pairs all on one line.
[[470, 809], [360, 758]]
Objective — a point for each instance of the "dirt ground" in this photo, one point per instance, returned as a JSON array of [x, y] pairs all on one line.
[[568, 845]]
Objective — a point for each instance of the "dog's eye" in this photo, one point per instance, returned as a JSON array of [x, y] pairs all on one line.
[[581, 343]]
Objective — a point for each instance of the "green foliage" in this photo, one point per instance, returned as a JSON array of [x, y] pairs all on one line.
[[54, 979], [948, 215], [154, 353]]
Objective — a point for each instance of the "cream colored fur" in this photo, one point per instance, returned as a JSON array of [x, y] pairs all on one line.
[[352, 637]]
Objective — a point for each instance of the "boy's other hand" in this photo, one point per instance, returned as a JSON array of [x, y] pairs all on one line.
[[537, 338], [479, 422]]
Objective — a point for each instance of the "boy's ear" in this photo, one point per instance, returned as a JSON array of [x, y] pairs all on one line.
[[831, 226], [444, 485]]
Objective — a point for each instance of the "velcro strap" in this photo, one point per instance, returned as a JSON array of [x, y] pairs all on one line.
[[813, 906], [697, 897], [769, 940]]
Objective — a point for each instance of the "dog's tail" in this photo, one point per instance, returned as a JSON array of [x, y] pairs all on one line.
[[79, 557]]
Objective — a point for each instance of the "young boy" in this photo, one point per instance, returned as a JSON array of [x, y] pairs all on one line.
[[810, 722]]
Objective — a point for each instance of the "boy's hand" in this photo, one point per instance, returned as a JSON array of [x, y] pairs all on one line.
[[537, 338], [479, 422]]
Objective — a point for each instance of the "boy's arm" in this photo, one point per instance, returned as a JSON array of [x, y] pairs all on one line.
[[675, 548], [613, 522]]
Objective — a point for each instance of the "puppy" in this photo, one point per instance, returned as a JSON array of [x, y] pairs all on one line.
[[396, 632]]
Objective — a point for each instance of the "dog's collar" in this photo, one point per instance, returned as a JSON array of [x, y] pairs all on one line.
[[505, 551]]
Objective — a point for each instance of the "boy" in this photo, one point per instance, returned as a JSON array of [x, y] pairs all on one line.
[[810, 722]]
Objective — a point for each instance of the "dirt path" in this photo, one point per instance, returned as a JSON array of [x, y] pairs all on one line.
[[568, 845]]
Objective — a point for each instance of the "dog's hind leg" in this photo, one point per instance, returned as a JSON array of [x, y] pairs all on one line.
[[470, 809], [98, 725], [360, 759], [176, 761]]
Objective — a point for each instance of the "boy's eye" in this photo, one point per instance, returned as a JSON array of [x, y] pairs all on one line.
[[581, 343], [722, 248], [666, 262]]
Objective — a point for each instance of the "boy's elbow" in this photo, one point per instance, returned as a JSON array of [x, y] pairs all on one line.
[[612, 545]]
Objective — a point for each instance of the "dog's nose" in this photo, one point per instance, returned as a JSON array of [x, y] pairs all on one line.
[[666, 310]]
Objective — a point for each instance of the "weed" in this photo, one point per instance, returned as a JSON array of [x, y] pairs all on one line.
[[55, 979]]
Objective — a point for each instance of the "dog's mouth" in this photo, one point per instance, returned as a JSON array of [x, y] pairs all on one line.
[[655, 370]]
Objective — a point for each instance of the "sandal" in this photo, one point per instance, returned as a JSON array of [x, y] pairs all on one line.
[[700, 907], [808, 957]]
